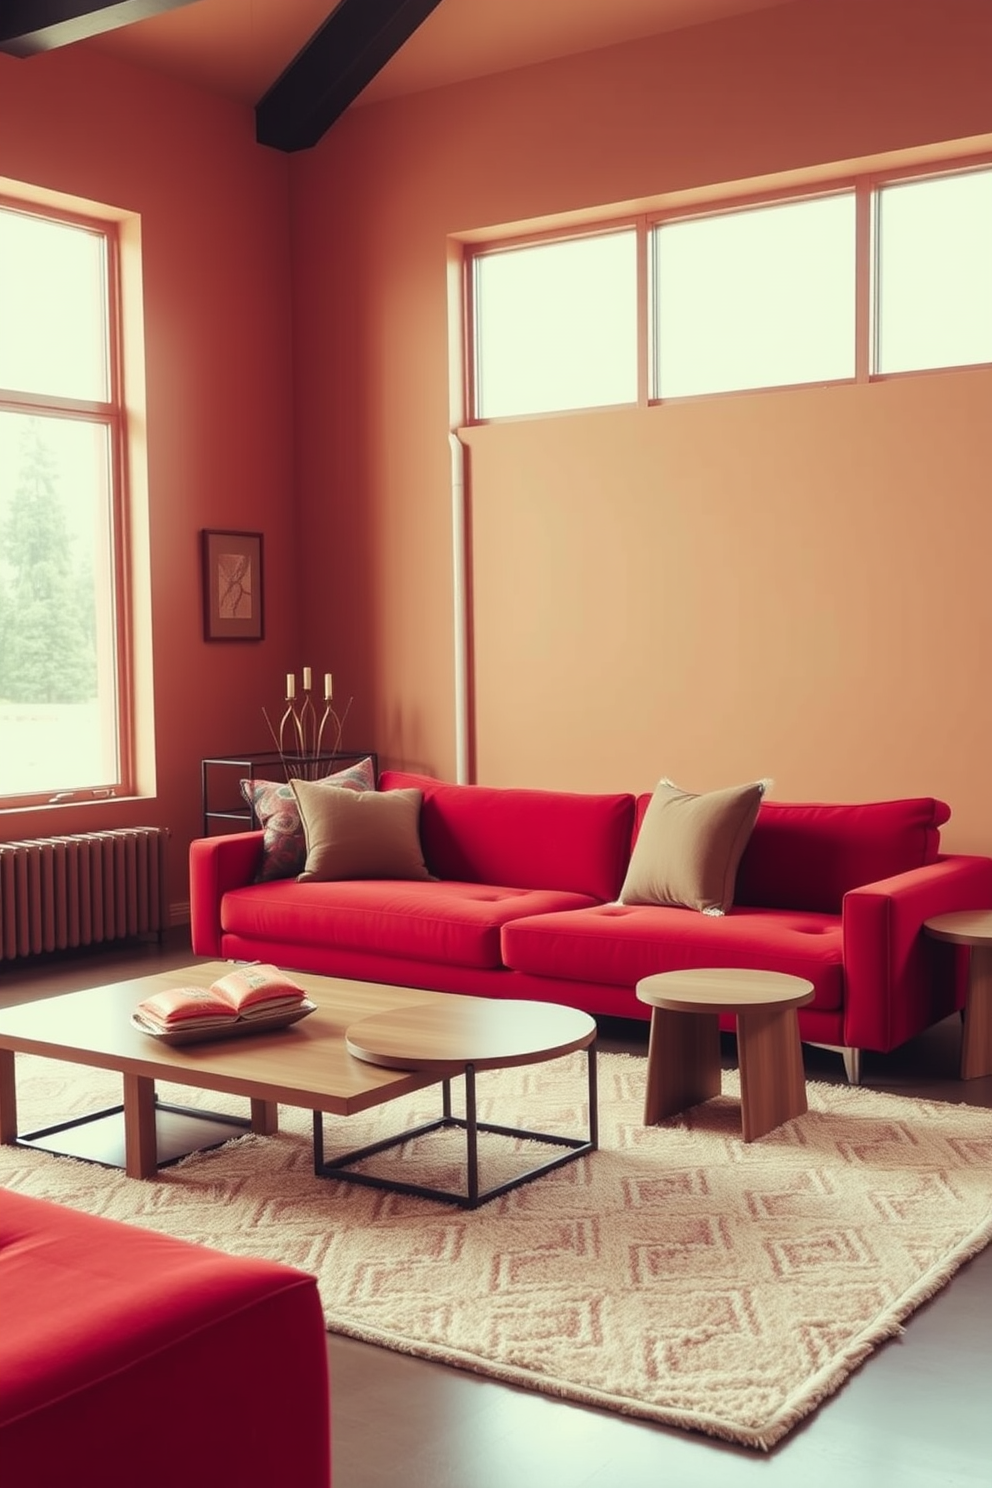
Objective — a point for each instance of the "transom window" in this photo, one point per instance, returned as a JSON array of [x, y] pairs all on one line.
[[934, 272], [755, 298], [863, 279], [556, 325]]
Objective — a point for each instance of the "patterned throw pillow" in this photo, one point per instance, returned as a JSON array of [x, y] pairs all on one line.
[[284, 847]]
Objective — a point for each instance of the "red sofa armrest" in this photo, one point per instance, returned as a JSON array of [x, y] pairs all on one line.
[[132, 1358], [217, 864], [899, 981]]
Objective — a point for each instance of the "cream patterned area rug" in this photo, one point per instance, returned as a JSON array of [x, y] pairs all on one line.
[[676, 1275]]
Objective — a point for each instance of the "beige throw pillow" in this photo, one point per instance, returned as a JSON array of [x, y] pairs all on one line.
[[689, 846], [360, 834], [284, 848]]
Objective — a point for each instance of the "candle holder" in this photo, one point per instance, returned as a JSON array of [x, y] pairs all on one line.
[[306, 726], [303, 740]]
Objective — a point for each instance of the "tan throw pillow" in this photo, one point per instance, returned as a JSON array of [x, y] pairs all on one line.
[[688, 848], [284, 848], [360, 834]]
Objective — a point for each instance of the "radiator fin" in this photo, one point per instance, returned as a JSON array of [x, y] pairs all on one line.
[[78, 890]]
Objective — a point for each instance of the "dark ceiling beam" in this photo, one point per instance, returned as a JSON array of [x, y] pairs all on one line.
[[354, 43], [30, 26]]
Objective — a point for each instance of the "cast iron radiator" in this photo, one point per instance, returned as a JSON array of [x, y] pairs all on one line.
[[79, 890]]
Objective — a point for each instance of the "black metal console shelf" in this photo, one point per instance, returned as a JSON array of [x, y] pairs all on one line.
[[220, 778]]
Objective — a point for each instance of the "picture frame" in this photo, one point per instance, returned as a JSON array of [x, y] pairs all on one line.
[[233, 596]]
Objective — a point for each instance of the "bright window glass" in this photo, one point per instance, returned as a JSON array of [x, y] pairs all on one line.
[[934, 272], [53, 308], [556, 326], [60, 693], [757, 297]]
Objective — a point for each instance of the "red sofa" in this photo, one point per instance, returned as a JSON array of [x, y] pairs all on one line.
[[523, 904], [128, 1358]]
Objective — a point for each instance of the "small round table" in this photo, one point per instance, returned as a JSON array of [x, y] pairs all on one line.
[[972, 928], [684, 1045], [458, 1037]]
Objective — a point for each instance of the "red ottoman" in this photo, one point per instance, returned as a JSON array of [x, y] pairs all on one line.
[[129, 1358]]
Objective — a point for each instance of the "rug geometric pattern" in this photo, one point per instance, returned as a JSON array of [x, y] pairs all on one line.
[[677, 1274]]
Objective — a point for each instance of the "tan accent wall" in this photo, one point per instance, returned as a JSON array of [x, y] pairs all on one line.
[[784, 583]]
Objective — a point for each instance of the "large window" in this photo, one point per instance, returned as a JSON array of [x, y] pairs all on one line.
[[61, 667]]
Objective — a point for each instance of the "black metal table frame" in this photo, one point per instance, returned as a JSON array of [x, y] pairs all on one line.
[[220, 1127], [339, 1167]]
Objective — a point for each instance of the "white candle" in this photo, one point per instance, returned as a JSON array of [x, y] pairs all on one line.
[[306, 679], [290, 684], [328, 689]]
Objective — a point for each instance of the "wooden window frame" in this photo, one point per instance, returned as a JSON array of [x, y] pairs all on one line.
[[111, 415]]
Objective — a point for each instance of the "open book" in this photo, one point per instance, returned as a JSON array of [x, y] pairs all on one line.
[[250, 994]]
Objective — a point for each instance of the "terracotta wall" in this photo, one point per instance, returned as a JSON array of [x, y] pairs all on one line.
[[217, 421], [787, 583]]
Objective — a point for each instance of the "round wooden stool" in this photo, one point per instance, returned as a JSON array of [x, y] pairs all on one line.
[[973, 928], [684, 1046]]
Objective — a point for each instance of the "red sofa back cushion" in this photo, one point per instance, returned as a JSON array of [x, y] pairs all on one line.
[[809, 856], [523, 839]]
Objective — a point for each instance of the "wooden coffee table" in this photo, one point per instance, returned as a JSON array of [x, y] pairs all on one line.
[[972, 928], [464, 1035], [684, 1044], [307, 1065]]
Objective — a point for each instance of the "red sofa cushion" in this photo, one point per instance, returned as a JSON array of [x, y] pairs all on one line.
[[527, 839], [807, 856], [456, 924], [618, 944]]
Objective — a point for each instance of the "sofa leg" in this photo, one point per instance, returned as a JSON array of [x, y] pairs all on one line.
[[852, 1065]]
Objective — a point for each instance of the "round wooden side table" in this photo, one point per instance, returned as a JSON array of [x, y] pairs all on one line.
[[684, 1044], [972, 928]]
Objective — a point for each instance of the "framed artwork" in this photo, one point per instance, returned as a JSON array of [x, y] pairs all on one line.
[[232, 586]]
